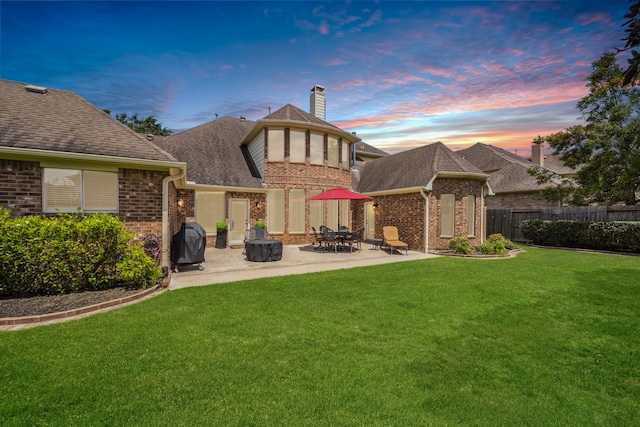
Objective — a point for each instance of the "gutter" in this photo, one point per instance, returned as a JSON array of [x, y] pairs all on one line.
[[425, 193], [165, 217], [67, 157]]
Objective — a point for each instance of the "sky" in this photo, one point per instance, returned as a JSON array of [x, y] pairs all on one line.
[[401, 74]]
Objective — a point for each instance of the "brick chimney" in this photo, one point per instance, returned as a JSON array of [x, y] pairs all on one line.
[[318, 103], [537, 155]]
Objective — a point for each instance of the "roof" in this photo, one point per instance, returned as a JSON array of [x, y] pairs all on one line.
[[514, 178], [62, 121], [364, 148], [554, 164], [414, 168], [290, 115], [213, 154], [489, 158]]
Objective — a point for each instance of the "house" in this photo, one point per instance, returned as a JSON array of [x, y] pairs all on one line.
[[59, 153], [509, 179], [430, 193], [55, 147]]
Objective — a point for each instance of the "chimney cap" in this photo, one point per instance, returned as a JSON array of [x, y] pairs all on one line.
[[36, 89], [317, 88]]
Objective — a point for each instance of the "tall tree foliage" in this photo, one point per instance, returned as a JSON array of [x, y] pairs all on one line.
[[607, 147], [632, 24], [147, 125]]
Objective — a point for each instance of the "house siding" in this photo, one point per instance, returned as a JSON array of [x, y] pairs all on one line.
[[407, 212], [140, 195]]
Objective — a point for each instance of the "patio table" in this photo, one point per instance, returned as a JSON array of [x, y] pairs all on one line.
[[260, 250]]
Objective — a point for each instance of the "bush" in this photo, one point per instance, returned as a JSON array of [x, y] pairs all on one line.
[[496, 247], [260, 224], [221, 225], [67, 253], [497, 237], [460, 245], [613, 236]]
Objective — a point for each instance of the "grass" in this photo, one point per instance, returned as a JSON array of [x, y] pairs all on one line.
[[549, 338]]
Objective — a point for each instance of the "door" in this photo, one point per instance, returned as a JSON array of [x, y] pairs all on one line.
[[369, 221], [238, 220]]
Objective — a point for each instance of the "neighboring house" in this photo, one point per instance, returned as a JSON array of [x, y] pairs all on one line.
[[509, 179], [59, 153], [430, 193]]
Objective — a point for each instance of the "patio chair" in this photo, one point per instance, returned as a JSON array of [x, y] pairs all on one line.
[[261, 233], [330, 240], [319, 239], [391, 239], [355, 239], [249, 234]]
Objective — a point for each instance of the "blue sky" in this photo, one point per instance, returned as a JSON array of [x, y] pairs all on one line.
[[399, 73]]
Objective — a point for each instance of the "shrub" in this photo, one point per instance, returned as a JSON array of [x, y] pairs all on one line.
[[221, 225], [42, 255], [497, 237], [260, 224], [496, 247], [460, 245], [614, 236]]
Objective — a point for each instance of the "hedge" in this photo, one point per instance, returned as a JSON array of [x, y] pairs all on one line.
[[622, 236], [42, 255]]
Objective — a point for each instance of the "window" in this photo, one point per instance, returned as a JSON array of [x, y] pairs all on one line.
[[344, 212], [275, 211], [471, 215], [71, 189], [332, 214], [316, 217], [209, 210], [345, 155], [447, 214], [332, 152], [276, 145], [316, 156], [297, 146], [296, 211]]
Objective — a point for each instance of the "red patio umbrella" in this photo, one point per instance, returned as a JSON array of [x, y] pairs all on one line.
[[340, 193]]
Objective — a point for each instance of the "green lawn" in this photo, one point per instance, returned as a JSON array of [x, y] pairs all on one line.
[[549, 338]]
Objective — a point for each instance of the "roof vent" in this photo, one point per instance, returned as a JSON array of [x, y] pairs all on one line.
[[149, 137], [242, 118], [36, 89]]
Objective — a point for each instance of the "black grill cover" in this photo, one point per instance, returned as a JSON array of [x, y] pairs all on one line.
[[188, 244]]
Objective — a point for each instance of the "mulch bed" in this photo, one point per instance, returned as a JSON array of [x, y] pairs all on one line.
[[34, 306]]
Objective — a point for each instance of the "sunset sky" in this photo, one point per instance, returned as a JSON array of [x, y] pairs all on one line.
[[400, 74]]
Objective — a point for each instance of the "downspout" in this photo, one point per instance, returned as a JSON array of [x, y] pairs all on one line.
[[165, 218], [482, 236], [425, 194]]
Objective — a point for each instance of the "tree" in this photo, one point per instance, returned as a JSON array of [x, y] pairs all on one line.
[[607, 147], [147, 125], [632, 74]]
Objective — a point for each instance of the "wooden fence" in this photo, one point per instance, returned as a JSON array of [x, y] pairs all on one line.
[[507, 221]]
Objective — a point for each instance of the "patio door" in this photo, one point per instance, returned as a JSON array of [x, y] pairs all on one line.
[[238, 220], [369, 221]]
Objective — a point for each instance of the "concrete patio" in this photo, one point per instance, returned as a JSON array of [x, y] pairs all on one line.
[[229, 265]]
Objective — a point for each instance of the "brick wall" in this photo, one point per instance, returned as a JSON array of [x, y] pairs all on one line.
[[140, 195], [306, 176], [21, 187], [407, 212]]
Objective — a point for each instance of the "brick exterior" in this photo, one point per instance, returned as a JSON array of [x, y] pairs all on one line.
[[288, 176], [140, 195], [407, 211]]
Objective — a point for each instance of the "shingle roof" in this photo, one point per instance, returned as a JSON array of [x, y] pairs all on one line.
[[63, 121], [514, 178], [212, 153], [292, 113], [554, 164], [489, 158], [363, 147], [412, 168]]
